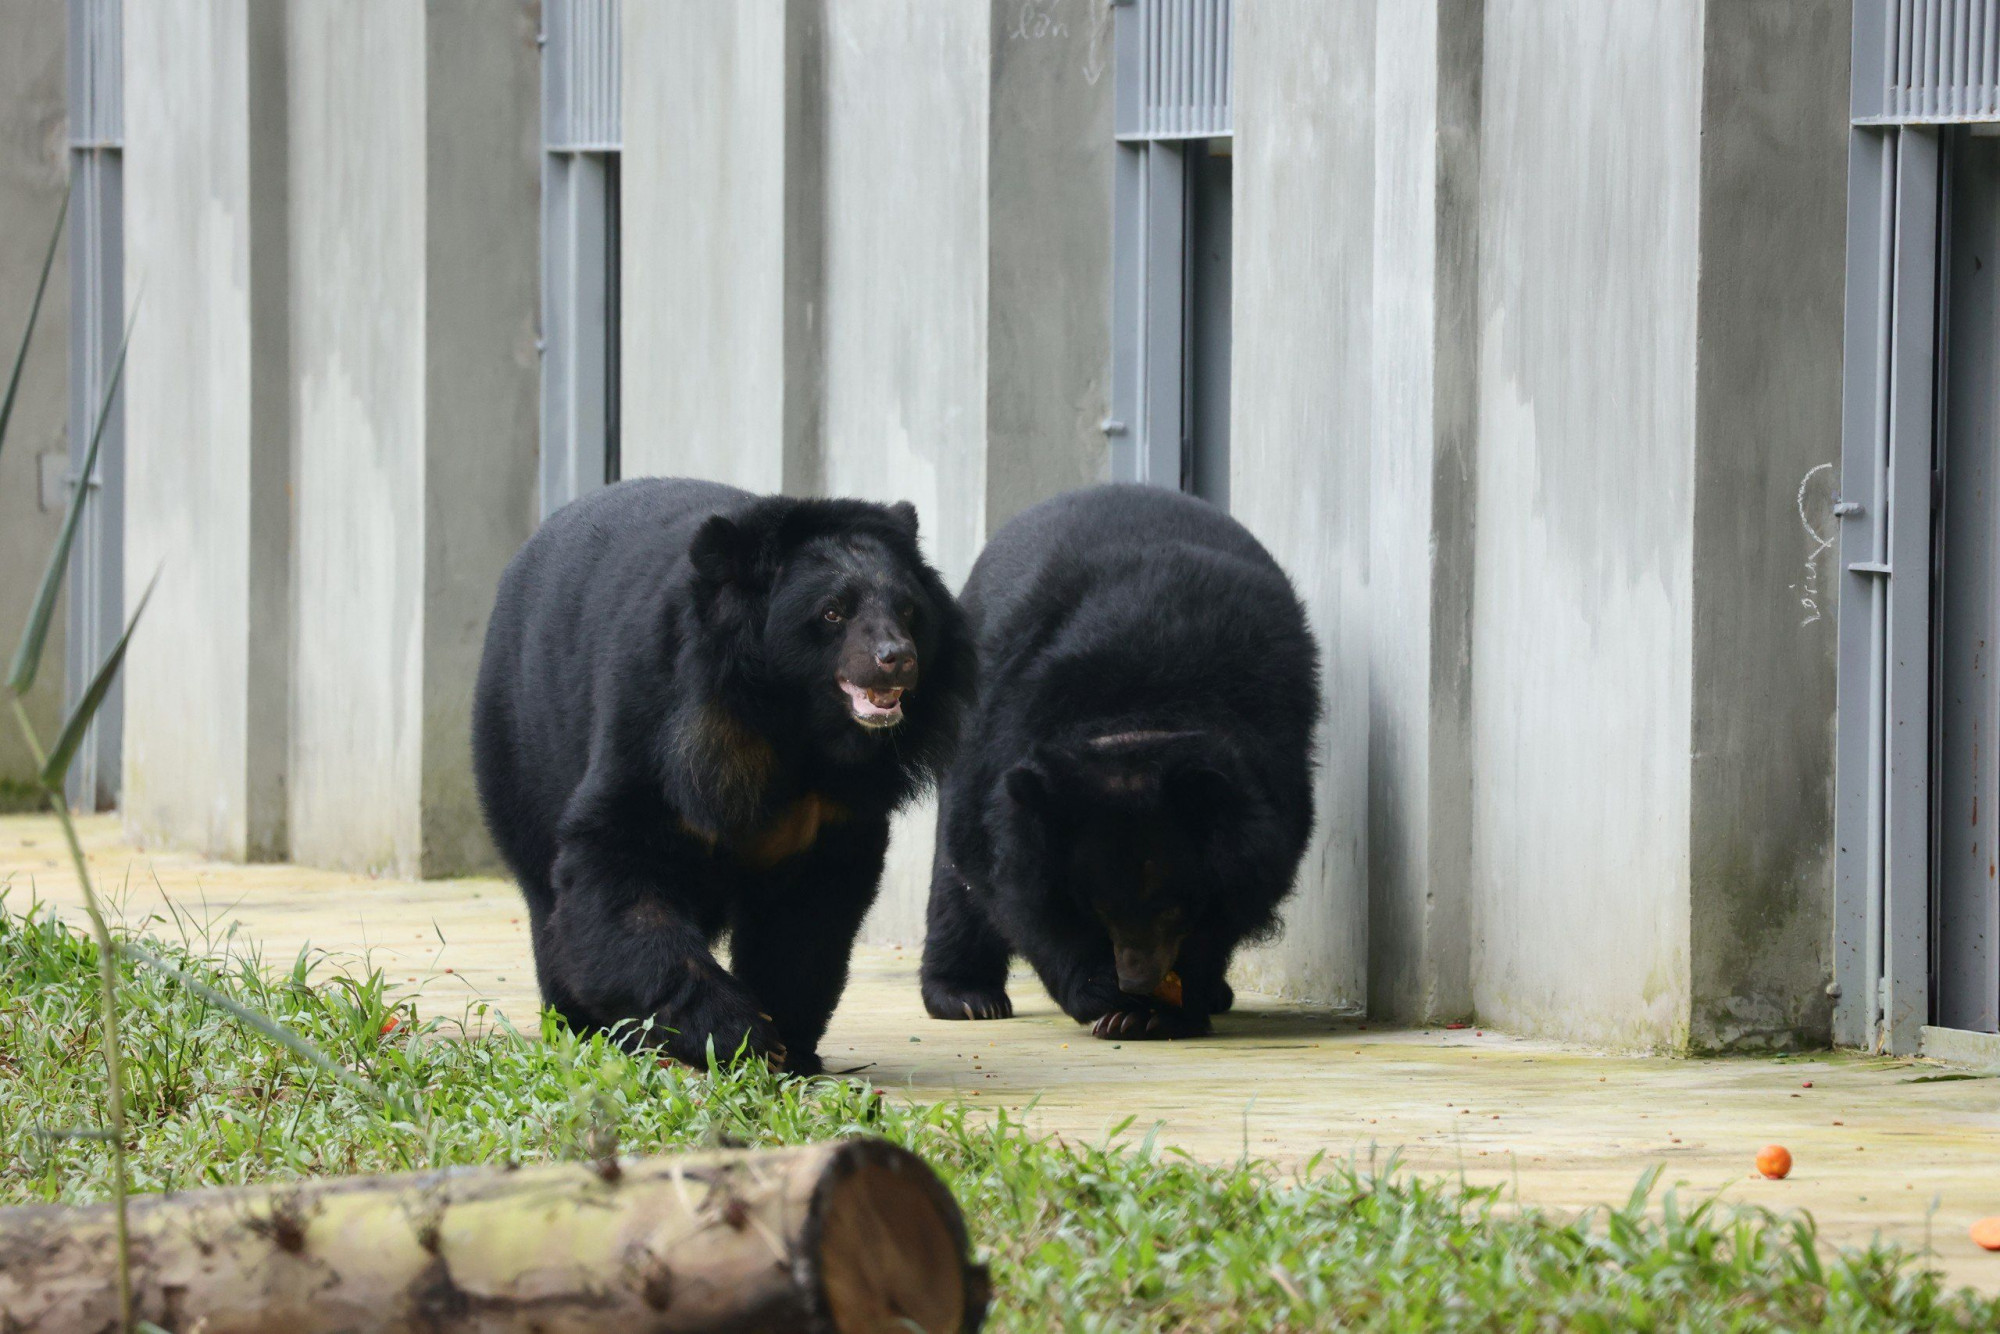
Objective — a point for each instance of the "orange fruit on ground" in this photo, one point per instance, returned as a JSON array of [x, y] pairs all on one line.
[[1986, 1233], [1774, 1161]]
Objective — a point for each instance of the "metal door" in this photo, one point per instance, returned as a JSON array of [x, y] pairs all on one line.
[[1169, 421], [96, 578], [580, 140], [1915, 894], [1965, 991]]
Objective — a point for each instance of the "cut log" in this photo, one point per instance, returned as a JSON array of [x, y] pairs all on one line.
[[847, 1236]]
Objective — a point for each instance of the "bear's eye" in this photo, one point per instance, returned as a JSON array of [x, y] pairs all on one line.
[[832, 616]]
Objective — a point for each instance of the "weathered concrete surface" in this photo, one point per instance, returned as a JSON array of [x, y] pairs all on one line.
[[1878, 1143], [1048, 224], [1420, 509], [357, 180], [414, 172], [904, 306], [207, 450], [1767, 413], [1299, 422], [482, 446], [33, 176], [1583, 610], [705, 306]]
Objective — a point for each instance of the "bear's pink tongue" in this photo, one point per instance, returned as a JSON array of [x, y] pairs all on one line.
[[868, 703]]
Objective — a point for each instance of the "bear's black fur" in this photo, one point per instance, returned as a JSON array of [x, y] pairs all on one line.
[[696, 711], [1135, 791]]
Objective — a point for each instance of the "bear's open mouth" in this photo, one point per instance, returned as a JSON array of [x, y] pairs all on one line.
[[874, 707]]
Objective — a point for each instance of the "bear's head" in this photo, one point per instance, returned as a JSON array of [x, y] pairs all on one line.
[[830, 613], [1143, 832]]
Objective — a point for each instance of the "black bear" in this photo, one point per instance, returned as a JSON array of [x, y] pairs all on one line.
[[1135, 792], [696, 710]]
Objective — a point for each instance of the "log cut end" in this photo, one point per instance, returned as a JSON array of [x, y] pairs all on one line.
[[886, 1246]]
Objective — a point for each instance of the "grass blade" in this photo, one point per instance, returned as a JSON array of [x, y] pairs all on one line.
[[34, 314], [28, 657], [56, 767], [263, 1023]]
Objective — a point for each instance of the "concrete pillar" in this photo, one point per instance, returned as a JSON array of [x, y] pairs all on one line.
[[414, 278], [721, 234], [1048, 300], [1582, 614], [33, 174], [1299, 421], [207, 407], [1767, 421], [1420, 499]]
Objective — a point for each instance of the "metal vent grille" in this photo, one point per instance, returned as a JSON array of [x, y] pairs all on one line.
[[97, 75], [1175, 72], [1940, 61], [580, 73]]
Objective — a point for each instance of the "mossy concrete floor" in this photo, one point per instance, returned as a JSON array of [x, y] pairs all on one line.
[[1906, 1149]]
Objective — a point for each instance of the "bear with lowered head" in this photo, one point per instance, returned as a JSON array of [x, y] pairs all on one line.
[[1135, 792], [696, 710]]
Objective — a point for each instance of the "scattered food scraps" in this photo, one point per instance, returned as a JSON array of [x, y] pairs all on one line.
[[1774, 1161]]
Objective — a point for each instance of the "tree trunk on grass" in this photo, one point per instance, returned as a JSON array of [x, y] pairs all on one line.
[[853, 1235]]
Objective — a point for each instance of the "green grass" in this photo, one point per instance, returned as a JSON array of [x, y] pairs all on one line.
[[1080, 1237]]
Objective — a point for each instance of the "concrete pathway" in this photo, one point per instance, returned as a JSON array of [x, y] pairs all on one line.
[[1905, 1149]]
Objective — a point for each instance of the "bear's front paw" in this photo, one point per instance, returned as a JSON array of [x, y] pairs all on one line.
[[945, 1001], [1141, 1022], [804, 1064], [731, 1025]]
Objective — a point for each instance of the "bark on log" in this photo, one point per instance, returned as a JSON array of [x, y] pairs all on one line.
[[847, 1236]]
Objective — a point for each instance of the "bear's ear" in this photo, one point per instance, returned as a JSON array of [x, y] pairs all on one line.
[[905, 515], [721, 552]]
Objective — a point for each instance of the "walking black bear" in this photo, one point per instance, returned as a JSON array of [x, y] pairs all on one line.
[[696, 711], [1136, 788]]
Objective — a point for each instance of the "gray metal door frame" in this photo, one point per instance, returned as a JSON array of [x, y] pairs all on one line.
[[580, 271], [1172, 71], [1918, 68], [96, 577]]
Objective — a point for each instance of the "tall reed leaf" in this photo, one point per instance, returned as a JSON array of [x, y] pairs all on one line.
[[57, 765], [28, 657], [34, 313]]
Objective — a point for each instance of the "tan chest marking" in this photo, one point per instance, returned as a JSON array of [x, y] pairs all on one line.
[[789, 832]]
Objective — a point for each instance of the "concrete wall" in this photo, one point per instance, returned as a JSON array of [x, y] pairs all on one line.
[[1300, 412], [482, 442], [1767, 407], [1048, 225], [358, 283], [1420, 508], [705, 310], [196, 771], [1583, 609], [33, 175], [413, 271], [904, 333]]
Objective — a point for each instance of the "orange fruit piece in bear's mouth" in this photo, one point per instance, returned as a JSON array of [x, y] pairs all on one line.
[[1169, 990]]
